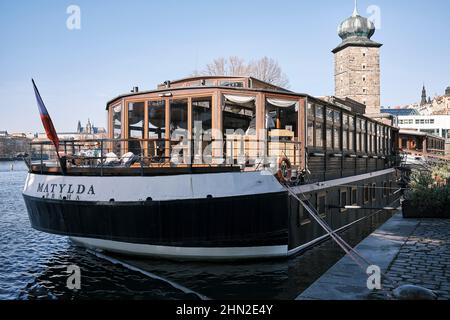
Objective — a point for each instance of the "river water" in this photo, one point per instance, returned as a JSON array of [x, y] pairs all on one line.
[[33, 265]]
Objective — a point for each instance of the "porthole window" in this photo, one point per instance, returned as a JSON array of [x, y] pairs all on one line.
[[321, 204], [374, 191], [343, 200], [366, 193]]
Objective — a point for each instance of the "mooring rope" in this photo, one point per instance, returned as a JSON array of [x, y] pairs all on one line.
[[349, 250], [148, 274]]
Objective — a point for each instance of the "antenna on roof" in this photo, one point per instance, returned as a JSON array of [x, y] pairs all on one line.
[[355, 11]]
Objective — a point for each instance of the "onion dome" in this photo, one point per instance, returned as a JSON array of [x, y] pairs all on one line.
[[356, 31]]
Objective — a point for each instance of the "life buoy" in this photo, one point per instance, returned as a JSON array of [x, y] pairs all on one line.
[[284, 173]]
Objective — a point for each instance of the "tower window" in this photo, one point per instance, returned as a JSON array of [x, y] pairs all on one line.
[[364, 79], [364, 54], [364, 90], [364, 66]]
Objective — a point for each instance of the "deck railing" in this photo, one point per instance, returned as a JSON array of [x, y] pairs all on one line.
[[244, 153]]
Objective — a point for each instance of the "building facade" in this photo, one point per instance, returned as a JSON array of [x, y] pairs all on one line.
[[438, 125], [357, 63], [13, 145], [420, 143]]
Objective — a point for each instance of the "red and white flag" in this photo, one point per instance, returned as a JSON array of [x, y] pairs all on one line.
[[46, 120]]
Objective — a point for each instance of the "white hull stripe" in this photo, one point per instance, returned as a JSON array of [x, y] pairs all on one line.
[[159, 188], [184, 253]]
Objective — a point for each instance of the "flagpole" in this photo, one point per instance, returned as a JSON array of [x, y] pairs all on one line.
[[62, 165]]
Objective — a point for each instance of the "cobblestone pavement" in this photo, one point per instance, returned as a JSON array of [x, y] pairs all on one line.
[[424, 259]]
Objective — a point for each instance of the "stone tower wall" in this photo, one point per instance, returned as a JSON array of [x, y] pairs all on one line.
[[357, 76]]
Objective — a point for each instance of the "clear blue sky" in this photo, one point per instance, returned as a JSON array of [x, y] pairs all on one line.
[[126, 43]]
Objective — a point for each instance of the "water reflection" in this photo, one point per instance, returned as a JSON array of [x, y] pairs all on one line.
[[280, 279], [99, 280]]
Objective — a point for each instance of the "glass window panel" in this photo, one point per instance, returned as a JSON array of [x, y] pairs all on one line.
[[345, 121], [330, 114], [156, 128], [136, 120], [319, 135], [201, 113], [178, 117], [363, 142], [117, 127], [310, 111], [285, 118], [358, 139], [372, 147], [337, 118], [363, 135], [351, 141], [117, 122], [319, 112], [310, 133], [136, 112], [157, 119], [329, 138], [239, 117], [201, 117], [351, 129], [351, 122], [337, 138], [289, 119], [234, 84], [345, 139]]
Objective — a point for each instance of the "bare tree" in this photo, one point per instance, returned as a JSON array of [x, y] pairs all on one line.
[[265, 69], [268, 70]]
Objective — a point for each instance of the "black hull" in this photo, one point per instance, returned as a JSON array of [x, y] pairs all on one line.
[[242, 221], [264, 225]]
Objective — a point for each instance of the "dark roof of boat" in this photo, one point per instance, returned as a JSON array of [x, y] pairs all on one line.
[[207, 77]]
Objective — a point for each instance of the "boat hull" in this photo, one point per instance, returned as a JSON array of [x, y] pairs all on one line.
[[240, 221], [230, 216], [242, 215]]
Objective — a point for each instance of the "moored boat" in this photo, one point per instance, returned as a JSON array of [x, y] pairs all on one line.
[[205, 167]]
